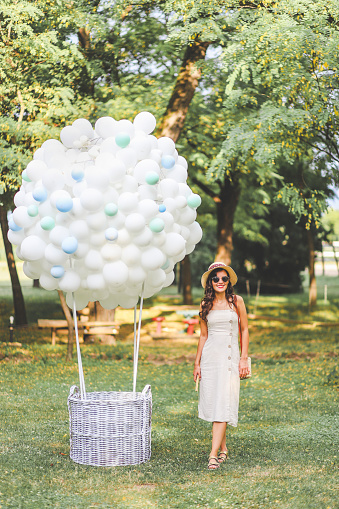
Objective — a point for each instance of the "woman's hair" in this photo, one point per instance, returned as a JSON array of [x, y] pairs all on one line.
[[207, 301]]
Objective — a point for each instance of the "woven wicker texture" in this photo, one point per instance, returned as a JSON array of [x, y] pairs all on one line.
[[110, 428]]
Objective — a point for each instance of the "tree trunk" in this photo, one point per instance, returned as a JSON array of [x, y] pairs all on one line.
[[226, 203], [98, 314], [185, 86], [18, 299], [69, 318], [312, 297], [187, 280]]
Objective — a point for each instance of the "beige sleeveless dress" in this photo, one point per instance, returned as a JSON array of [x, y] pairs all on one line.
[[220, 381]]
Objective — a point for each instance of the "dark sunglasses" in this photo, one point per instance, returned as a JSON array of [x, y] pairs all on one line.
[[216, 279]]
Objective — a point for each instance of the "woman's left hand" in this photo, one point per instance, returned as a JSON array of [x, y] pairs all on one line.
[[243, 368]]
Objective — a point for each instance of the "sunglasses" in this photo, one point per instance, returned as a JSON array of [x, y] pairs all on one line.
[[216, 279]]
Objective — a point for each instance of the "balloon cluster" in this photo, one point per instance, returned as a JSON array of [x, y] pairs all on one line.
[[104, 212]]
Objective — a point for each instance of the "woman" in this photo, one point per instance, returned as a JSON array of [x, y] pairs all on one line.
[[218, 363]]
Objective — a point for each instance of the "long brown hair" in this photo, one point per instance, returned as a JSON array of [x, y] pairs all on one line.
[[207, 301]]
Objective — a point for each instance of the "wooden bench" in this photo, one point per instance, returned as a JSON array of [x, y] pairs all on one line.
[[85, 328]]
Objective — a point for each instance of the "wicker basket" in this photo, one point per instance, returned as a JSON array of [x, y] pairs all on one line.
[[110, 428]]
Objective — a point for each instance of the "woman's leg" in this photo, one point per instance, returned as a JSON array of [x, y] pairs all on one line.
[[218, 437]]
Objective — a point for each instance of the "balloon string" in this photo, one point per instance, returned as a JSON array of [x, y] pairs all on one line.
[[81, 373], [137, 343]]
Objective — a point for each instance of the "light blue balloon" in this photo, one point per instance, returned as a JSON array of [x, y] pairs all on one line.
[[69, 245], [32, 210], [25, 176], [14, 227], [57, 271], [40, 194], [47, 223], [152, 178], [77, 174], [167, 162], [111, 209], [64, 204], [111, 234], [162, 208], [194, 201], [156, 225], [122, 140]]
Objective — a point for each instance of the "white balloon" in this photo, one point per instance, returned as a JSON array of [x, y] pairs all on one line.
[[105, 127], [96, 282], [125, 126], [127, 302], [70, 281], [174, 244], [81, 299], [16, 237], [166, 145], [54, 255], [93, 260], [58, 234], [35, 169], [135, 223], [79, 229], [130, 255], [109, 145], [152, 258], [59, 195], [69, 135], [156, 277], [48, 282], [145, 121], [31, 271], [97, 178], [39, 154], [128, 202], [21, 217], [115, 273], [181, 201], [81, 251], [136, 275], [184, 190], [169, 279], [32, 248], [142, 147], [185, 232], [97, 239], [19, 198], [182, 161], [97, 221], [148, 209], [128, 156], [111, 252], [188, 216], [168, 188], [53, 179], [124, 237], [177, 258], [147, 192], [156, 155], [117, 221], [91, 199], [168, 220], [144, 238], [159, 239], [189, 248], [110, 302], [84, 126], [179, 174], [195, 233], [129, 184]]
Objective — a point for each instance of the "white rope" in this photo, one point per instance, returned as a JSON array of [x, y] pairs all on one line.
[[81, 373], [137, 339]]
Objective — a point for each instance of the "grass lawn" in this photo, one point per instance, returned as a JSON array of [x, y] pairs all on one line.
[[283, 454]]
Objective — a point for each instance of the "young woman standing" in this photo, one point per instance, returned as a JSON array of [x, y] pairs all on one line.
[[218, 363]]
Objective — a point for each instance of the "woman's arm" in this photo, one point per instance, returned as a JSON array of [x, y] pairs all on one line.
[[243, 364], [202, 341]]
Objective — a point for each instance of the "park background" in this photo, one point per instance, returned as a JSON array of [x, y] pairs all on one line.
[[249, 93]]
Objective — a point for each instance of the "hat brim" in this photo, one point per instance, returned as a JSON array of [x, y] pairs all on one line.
[[232, 274]]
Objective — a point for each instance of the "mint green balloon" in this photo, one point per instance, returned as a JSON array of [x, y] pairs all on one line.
[[25, 177], [152, 178], [122, 140], [47, 223], [32, 210], [156, 225], [194, 201], [111, 209]]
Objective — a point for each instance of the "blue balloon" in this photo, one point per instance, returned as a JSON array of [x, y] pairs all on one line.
[[57, 271], [168, 162], [40, 194], [64, 204], [162, 208], [77, 174], [69, 245], [14, 227], [111, 234]]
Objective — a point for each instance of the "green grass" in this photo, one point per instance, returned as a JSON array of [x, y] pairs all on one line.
[[283, 452]]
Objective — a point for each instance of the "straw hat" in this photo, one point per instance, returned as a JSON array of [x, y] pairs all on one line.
[[219, 265]]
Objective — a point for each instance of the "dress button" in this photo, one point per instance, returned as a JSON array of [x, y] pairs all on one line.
[[229, 369], [229, 357], [229, 346]]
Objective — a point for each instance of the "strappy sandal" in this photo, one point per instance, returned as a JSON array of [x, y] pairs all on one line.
[[213, 463], [223, 456]]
